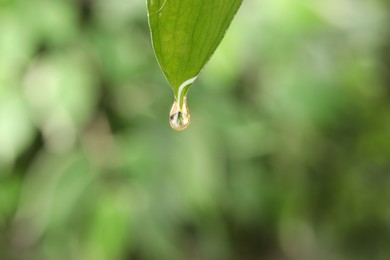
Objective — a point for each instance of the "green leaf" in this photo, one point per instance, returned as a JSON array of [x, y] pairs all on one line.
[[185, 34]]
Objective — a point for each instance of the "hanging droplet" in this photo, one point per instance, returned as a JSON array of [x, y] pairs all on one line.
[[179, 118]]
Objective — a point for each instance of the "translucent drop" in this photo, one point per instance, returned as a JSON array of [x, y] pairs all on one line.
[[179, 118]]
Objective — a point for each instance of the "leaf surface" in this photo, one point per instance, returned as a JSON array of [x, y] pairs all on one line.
[[185, 34]]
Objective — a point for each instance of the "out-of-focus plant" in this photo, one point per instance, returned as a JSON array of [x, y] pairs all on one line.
[[288, 158]]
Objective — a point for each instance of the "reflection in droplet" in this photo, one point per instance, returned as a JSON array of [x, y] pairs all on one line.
[[179, 118]]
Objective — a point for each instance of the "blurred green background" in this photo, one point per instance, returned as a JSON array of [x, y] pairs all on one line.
[[287, 156]]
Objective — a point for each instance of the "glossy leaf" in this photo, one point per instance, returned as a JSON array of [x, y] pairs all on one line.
[[185, 33]]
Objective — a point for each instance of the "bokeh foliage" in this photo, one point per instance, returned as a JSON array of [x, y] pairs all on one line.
[[287, 157]]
